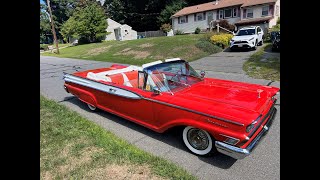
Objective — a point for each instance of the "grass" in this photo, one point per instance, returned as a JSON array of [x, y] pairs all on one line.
[[138, 51], [258, 67], [72, 147]]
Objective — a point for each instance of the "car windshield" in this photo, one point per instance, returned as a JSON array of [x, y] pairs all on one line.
[[246, 32], [171, 76]]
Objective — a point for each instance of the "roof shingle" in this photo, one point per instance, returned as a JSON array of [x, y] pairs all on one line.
[[221, 4]]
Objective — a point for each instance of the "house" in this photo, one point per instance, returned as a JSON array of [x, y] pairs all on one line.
[[119, 31], [240, 13]]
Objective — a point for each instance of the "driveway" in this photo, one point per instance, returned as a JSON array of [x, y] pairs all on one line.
[[263, 163]]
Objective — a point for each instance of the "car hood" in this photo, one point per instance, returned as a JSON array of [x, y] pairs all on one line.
[[241, 102], [243, 38]]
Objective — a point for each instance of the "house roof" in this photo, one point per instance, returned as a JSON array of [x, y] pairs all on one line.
[[207, 6], [221, 4], [256, 2], [252, 21]]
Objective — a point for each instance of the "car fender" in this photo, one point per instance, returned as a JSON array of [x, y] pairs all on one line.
[[213, 130], [83, 95]]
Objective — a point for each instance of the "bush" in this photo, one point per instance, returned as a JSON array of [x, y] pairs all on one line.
[[197, 31], [44, 47], [165, 27], [225, 24], [221, 40], [179, 32], [207, 46], [207, 36]]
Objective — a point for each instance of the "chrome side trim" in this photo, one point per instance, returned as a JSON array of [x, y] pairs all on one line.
[[193, 111], [101, 87], [240, 153]]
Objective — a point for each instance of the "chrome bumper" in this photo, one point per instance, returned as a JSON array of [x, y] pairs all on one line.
[[239, 153]]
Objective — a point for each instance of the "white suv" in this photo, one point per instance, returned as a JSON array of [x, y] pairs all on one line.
[[247, 37]]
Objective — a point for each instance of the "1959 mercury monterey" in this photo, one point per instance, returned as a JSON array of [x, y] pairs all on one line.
[[216, 115]]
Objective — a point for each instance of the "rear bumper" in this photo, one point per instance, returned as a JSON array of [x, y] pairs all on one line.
[[239, 153]]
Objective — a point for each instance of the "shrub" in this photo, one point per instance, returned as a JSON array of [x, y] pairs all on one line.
[[225, 24], [179, 32], [165, 27], [44, 47], [197, 31], [221, 40], [207, 46], [207, 36]]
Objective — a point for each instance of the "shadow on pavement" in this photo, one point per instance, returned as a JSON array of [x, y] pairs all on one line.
[[171, 137], [237, 50]]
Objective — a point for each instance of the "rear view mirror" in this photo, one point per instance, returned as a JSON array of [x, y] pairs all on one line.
[[156, 90], [202, 73]]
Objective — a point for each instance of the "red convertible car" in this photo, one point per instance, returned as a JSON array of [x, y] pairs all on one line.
[[216, 115]]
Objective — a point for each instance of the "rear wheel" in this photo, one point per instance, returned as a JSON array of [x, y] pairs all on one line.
[[198, 141]]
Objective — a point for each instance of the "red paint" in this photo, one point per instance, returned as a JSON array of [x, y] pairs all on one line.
[[230, 100]]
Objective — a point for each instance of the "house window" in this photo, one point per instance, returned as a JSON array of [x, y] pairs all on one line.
[[265, 11], [199, 16], [220, 14], [234, 12], [183, 19], [227, 13], [277, 10], [249, 13]]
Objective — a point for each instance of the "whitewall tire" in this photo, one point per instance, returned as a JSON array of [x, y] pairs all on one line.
[[197, 140], [92, 108]]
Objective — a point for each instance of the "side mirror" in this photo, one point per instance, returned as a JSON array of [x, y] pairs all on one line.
[[202, 73], [156, 90]]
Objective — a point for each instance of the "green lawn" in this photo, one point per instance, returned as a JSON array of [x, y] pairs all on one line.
[[260, 67], [138, 51], [72, 147]]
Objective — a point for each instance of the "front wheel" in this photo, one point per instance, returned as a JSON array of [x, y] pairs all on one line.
[[198, 141], [261, 42]]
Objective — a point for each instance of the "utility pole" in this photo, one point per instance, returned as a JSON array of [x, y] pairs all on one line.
[[52, 27]]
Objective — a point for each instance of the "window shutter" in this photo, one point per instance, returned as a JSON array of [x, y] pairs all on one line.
[[244, 13], [270, 10], [178, 20], [204, 15], [186, 18], [218, 14], [195, 17]]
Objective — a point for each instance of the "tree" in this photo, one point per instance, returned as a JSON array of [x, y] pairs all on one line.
[[88, 23], [45, 27], [61, 11], [169, 10]]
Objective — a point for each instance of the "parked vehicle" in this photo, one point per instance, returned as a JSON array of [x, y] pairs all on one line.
[[276, 42], [216, 115], [247, 37]]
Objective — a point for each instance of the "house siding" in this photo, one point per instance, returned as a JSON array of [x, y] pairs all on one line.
[[111, 26], [274, 20], [191, 25]]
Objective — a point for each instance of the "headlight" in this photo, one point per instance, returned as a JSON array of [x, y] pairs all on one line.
[[251, 39], [251, 126]]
